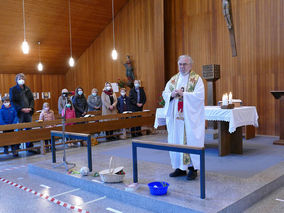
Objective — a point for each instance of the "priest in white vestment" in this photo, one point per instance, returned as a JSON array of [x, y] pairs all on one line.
[[184, 108]]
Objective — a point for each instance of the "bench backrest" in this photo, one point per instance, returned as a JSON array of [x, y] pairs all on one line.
[[88, 125]]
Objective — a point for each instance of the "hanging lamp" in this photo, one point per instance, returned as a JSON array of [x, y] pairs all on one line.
[[71, 59], [39, 65], [113, 52], [25, 45]]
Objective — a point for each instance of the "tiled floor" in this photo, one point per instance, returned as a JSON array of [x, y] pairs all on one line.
[[13, 199]]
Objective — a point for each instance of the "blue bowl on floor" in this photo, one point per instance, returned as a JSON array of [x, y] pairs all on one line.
[[158, 188]]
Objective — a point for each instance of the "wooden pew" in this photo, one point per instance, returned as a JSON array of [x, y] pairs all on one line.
[[90, 125]]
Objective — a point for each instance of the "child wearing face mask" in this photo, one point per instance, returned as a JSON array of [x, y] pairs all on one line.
[[123, 103], [70, 112], [8, 115], [46, 115]]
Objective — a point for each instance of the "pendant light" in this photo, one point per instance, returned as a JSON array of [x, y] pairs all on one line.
[[25, 45], [39, 65], [71, 59], [114, 52]]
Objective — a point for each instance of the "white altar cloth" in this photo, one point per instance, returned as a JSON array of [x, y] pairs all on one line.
[[237, 117]]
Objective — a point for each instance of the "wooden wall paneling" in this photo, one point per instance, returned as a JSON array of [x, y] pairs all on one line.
[[37, 83], [198, 28], [139, 32]]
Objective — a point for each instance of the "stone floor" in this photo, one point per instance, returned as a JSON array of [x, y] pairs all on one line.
[[259, 170]]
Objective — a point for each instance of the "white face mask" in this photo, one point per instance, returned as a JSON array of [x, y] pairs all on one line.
[[21, 82], [136, 85], [94, 94], [80, 92], [108, 88], [7, 104], [46, 109], [122, 93]]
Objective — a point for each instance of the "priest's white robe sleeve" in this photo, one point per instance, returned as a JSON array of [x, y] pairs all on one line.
[[194, 118]]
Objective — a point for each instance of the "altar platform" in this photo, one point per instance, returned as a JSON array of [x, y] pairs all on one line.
[[233, 183]]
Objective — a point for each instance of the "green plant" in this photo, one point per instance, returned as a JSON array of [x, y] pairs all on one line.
[[122, 83]]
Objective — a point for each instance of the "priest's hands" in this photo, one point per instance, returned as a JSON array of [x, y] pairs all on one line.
[[180, 92], [174, 94], [177, 93]]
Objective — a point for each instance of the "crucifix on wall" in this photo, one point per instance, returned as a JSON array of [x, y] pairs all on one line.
[[226, 5]]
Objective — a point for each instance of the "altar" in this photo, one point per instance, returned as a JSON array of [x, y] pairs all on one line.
[[230, 123]]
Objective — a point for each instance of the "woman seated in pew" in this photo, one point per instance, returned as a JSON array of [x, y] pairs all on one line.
[[109, 102], [8, 115], [46, 115]]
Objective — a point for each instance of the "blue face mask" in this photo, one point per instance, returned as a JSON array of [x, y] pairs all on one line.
[[80, 92], [68, 105]]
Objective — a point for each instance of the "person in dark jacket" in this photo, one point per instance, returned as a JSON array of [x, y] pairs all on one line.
[[137, 98], [123, 102], [80, 103], [22, 100], [8, 115]]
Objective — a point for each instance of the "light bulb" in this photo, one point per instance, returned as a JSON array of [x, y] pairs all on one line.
[[25, 47], [71, 62], [114, 54], [40, 67]]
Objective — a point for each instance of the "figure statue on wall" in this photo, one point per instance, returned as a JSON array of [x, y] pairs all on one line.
[[226, 12], [129, 70]]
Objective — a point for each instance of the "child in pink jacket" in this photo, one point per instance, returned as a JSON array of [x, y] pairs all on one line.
[[46, 115], [70, 113]]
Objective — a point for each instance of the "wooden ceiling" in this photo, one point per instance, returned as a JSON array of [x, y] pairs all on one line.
[[47, 22]]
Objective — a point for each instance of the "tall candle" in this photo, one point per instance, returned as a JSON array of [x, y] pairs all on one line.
[[225, 101], [230, 98]]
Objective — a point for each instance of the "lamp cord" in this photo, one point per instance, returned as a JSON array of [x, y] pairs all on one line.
[[24, 20], [113, 24], [70, 29]]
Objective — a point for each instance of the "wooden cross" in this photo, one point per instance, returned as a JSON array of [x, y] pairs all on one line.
[[229, 20]]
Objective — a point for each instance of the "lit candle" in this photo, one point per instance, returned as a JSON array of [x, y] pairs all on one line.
[[230, 98], [225, 100]]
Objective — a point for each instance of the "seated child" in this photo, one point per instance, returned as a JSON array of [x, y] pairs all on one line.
[[8, 115]]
